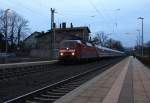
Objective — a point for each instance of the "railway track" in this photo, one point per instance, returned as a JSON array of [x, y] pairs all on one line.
[[12, 70], [51, 93]]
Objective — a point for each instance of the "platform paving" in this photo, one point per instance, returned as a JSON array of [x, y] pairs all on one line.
[[126, 82]]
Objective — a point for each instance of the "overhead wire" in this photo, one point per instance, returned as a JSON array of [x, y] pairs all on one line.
[[33, 12], [108, 23], [98, 11]]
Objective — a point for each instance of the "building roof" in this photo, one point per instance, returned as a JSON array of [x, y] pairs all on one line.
[[147, 44], [73, 29], [34, 33], [65, 30]]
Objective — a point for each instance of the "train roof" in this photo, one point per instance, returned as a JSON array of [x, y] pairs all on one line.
[[100, 47], [77, 41], [108, 49]]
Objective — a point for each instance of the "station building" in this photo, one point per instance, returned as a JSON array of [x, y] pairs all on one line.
[[42, 44]]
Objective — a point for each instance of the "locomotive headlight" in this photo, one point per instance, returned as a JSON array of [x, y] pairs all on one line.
[[73, 54], [61, 54]]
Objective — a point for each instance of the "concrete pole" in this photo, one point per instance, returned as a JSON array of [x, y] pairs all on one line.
[[142, 39], [52, 18], [142, 36], [139, 42], [53, 31], [52, 28]]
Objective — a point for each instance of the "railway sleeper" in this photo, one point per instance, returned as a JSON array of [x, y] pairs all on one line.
[[75, 83], [55, 93], [37, 101], [28, 101], [61, 91], [50, 96], [42, 99], [67, 88], [79, 81], [71, 85]]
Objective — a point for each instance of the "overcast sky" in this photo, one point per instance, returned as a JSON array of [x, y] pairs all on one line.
[[115, 17]]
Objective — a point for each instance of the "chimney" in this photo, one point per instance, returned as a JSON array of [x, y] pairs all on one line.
[[71, 25], [64, 25], [54, 25], [60, 26]]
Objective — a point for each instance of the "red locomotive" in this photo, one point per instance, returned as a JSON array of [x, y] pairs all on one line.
[[77, 50]]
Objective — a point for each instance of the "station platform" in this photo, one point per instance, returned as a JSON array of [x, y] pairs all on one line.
[[126, 82]]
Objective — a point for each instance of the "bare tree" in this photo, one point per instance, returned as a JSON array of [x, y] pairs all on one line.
[[13, 26], [110, 43], [2, 22], [4, 26], [114, 44], [2, 42], [21, 27], [100, 38]]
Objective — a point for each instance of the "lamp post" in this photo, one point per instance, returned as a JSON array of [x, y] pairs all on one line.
[[142, 32], [139, 42], [6, 44]]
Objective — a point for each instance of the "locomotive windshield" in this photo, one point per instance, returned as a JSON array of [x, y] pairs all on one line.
[[68, 44]]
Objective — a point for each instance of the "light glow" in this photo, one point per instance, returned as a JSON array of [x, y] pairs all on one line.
[[61, 54], [73, 54]]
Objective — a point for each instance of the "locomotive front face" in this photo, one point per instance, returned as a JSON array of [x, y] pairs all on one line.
[[68, 50]]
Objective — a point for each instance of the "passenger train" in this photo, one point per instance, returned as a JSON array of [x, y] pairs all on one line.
[[78, 50]]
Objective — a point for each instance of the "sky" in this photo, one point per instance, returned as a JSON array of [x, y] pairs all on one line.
[[117, 18]]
